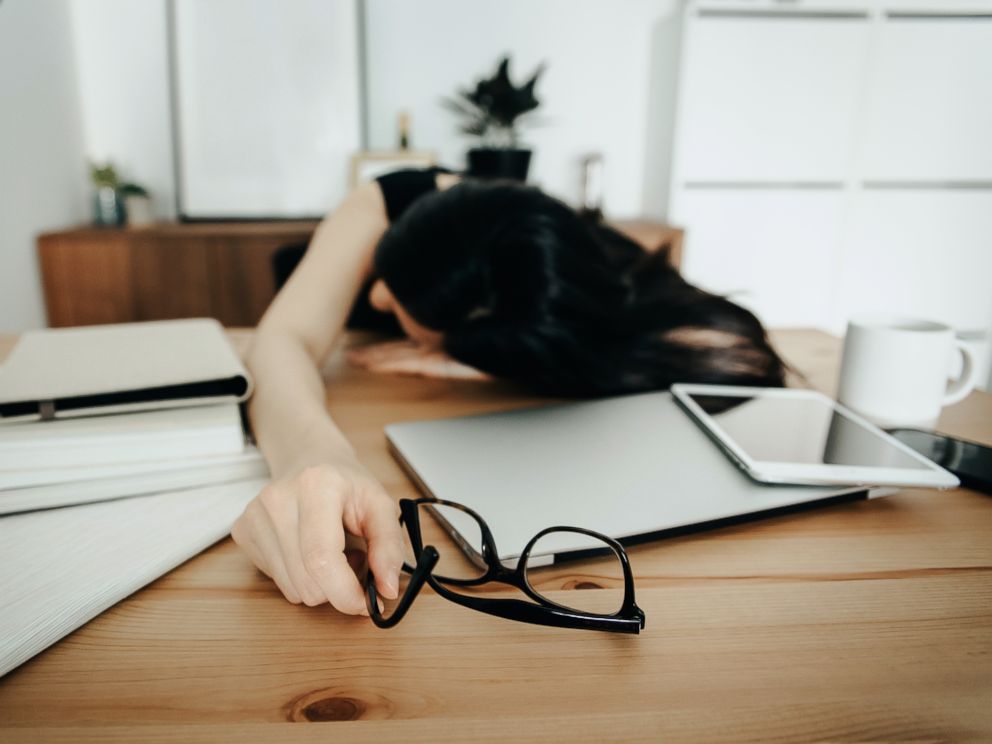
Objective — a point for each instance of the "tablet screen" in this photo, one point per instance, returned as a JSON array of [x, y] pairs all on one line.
[[807, 431]]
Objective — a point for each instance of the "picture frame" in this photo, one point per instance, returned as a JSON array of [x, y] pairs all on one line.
[[367, 165]]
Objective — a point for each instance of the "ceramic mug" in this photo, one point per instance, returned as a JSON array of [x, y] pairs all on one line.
[[895, 371]]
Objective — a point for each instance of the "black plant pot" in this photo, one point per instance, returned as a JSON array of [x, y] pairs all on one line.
[[489, 162]]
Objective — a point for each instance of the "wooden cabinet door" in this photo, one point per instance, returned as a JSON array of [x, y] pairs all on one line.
[[170, 278], [87, 277], [241, 276], [221, 271]]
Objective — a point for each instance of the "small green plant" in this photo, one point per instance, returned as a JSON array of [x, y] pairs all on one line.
[[104, 176], [492, 111], [131, 189]]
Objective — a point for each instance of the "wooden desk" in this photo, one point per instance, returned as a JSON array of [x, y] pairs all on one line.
[[869, 620]]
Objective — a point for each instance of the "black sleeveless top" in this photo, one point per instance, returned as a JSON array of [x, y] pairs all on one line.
[[400, 189]]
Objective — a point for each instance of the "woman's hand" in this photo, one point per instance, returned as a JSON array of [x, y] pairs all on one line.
[[411, 358], [295, 532]]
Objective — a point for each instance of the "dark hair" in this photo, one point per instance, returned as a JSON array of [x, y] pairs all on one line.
[[524, 288]]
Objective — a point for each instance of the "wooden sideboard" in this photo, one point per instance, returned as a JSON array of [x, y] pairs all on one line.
[[108, 275], [179, 270]]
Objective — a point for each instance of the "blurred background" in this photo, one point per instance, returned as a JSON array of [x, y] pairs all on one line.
[[814, 159]]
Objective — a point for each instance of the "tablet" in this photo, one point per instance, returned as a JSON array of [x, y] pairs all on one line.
[[778, 435]]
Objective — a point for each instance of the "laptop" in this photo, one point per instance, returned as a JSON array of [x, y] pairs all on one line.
[[633, 467]]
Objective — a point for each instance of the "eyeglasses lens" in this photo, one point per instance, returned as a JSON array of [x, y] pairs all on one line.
[[596, 587], [458, 538]]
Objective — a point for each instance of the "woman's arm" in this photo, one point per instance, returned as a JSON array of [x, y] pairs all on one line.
[[293, 529]]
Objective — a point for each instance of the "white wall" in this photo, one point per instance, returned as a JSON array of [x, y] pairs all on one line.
[[42, 176], [603, 58], [123, 78]]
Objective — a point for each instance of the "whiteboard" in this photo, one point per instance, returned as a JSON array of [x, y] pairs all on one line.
[[268, 108]]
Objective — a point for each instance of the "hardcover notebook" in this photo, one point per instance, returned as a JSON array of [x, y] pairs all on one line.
[[57, 373]]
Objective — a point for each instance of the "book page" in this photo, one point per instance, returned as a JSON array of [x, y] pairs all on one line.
[[63, 567]]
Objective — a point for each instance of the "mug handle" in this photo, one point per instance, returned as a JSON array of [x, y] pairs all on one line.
[[959, 389]]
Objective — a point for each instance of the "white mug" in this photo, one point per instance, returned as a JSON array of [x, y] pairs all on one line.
[[895, 371]]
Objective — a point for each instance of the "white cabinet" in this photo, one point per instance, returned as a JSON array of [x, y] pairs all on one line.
[[769, 98], [920, 252], [771, 250], [836, 159], [928, 111]]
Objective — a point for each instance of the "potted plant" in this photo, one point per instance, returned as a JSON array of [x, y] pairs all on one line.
[[108, 207], [137, 204], [116, 202], [492, 111]]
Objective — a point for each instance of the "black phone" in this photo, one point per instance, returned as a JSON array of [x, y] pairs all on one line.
[[969, 461]]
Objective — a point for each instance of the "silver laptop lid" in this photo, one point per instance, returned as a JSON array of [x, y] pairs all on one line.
[[627, 466]]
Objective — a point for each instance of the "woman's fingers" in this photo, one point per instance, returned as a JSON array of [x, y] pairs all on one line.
[[406, 357], [282, 514], [454, 370], [322, 545], [253, 533], [378, 353], [294, 531], [379, 525]]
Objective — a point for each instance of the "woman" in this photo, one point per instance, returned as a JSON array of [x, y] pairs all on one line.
[[484, 280]]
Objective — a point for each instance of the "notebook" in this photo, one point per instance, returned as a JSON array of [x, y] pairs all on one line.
[[55, 373], [632, 467], [76, 487], [63, 567], [170, 434]]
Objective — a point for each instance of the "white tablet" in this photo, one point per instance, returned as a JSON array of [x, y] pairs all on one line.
[[779, 435]]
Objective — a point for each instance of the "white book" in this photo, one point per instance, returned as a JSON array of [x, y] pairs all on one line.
[[63, 567], [16, 479], [170, 476], [146, 436], [64, 372]]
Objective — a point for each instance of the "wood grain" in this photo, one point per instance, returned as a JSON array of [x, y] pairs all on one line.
[[220, 270], [862, 621]]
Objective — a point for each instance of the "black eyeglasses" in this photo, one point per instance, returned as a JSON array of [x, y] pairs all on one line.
[[475, 561]]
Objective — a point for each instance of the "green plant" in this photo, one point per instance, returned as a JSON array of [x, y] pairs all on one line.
[[104, 176], [131, 189], [493, 109]]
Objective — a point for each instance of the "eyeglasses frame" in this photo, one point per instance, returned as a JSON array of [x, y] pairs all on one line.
[[628, 619]]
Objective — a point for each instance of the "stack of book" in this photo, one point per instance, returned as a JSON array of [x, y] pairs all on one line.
[[122, 454]]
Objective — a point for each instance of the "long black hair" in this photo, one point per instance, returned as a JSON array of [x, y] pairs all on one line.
[[523, 287]]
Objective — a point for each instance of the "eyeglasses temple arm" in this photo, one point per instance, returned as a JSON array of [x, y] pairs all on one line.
[[527, 612], [425, 564]]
